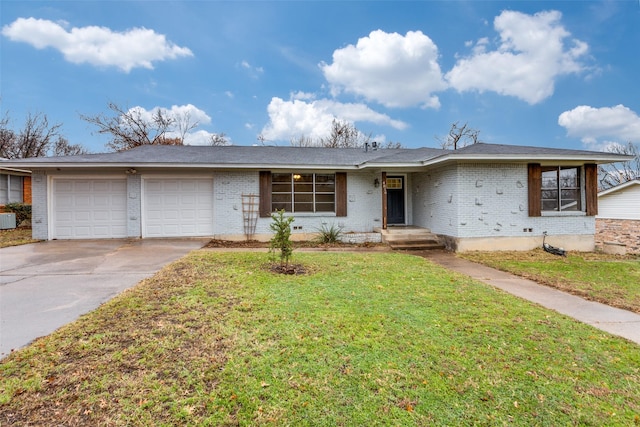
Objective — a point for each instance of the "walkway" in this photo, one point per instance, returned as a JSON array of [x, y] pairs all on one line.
[[610, 319]]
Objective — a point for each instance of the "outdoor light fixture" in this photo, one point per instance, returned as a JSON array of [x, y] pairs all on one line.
[[296, 177], [132, 171], [376, 183]]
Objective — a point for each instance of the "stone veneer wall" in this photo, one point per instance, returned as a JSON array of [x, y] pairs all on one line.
[[624, 231]]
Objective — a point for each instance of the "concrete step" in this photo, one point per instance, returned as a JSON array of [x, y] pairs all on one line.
[[410, 238]]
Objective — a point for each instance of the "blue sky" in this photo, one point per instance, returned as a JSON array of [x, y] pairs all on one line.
[[554, 74]]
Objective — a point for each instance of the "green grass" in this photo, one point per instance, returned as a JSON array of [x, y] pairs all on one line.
[[362, 339], [15, 237], [610, 279]]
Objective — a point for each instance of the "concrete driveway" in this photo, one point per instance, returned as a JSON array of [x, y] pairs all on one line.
[[45, 285]]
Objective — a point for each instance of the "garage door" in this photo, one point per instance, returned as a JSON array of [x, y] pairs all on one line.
[[178, 207], [89, 208]]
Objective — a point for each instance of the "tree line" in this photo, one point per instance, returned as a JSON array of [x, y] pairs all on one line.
[[130, 128]]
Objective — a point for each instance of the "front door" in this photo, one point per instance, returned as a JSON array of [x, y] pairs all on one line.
[[395, 200]]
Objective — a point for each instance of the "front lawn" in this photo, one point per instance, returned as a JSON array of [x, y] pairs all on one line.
[[15, 237], [361, 339], [610, 279]]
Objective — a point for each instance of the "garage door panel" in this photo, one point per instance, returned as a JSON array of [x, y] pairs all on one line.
[[89, 208], [178, 207]]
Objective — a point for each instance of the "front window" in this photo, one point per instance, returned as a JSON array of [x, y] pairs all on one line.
[[10, 189], [303, 192], [561, 189]]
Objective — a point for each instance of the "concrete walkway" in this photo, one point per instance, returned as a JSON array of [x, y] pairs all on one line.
[[613, 320]]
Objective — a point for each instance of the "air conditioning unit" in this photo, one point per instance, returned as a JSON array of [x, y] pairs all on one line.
[[7, 221]]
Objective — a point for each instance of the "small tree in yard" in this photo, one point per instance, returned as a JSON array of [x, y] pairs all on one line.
[[281, 241]]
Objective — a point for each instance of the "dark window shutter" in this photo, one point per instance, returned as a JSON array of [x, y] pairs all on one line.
[[535, 189], [265, 194], [341, 194], [591, 188]]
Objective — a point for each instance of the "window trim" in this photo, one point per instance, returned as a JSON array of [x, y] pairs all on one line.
[[559, 188], [303, 192]]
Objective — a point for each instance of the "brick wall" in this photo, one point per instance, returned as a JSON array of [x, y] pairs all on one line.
[[624, 231], [39, 213], [364, 206], [26, 190]]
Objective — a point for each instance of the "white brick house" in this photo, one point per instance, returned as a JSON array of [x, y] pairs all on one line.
[[483, 196]]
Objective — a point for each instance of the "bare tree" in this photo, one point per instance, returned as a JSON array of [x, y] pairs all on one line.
[[219, 140], [613, 174], [184, 125], [459, 136], [62, 147], [343, 135], [132, 128], [37, 138]]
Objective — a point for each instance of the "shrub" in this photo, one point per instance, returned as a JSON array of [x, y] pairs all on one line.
[[329, 234], [281, 241], [22, 211]]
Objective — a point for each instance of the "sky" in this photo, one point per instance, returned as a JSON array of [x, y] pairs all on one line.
[[543, 73]]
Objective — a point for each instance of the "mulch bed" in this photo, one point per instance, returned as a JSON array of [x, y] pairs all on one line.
[[249, 244]]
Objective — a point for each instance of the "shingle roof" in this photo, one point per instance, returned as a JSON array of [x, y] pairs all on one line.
[[286, 156], [500, 149]]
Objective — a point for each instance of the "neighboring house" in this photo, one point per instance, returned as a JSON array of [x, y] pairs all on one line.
[[618, 220], [15, 186], [480, 197]]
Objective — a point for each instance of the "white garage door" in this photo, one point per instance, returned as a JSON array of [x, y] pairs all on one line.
[[89, 208], [178, 207]]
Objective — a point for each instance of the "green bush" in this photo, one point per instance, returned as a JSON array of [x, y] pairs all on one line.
[[281, 241], [330, 234], [22, 211]]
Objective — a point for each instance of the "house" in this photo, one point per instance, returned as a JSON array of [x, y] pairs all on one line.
[[480, 197], [618, 219]]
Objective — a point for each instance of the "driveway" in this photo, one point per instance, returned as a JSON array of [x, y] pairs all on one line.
[[45, 285]]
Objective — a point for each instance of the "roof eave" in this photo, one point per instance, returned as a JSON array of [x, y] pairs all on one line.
[[140, 165], [528, 158], [619, 187]]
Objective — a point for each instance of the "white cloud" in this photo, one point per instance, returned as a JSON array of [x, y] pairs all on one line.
[[185, 115], [531, 56], [303, 96], [598, 127], [254, 72], [201, 137], [99, 46], [388, 68], [178, 112], [296, 118]]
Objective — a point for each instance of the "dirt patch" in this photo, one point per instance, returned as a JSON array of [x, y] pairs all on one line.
[[294, 269], [215, 243]]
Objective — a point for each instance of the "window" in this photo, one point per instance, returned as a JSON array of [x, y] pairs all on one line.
[[394, 183], [561, 189], [10, 189], [303, 192]]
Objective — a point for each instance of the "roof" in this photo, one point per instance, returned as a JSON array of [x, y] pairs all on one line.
[[309, 157], [619, 187]]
